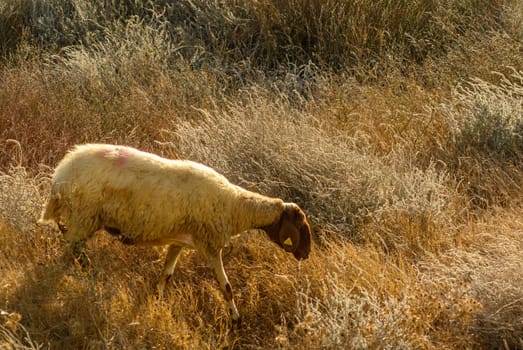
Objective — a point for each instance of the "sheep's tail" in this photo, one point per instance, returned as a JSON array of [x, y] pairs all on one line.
[[51, 210]]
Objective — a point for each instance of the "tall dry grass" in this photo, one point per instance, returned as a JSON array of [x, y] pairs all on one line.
[[345, 296], [264, 33], [395, 125], [485, 131]]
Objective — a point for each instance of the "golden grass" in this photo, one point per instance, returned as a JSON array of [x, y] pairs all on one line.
[[406, 274], [344, 296], [407, 162]]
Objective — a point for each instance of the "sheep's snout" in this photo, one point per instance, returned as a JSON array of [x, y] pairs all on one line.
[[303, 249], [299, 255]]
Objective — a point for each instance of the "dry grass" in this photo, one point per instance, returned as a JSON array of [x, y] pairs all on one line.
[[345, 296], [399, 133], [264, 33], [491, 266]]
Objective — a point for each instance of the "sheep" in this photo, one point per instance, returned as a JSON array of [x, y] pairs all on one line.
[[145, 199]]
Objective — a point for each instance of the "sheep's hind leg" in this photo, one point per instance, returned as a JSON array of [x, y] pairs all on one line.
[[168, 269], [216, 262]]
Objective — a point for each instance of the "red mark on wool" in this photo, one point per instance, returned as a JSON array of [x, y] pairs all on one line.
[[118, 155], [103, 153], [122, 156]]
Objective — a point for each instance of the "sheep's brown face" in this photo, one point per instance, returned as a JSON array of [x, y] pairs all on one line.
[[292, 232]]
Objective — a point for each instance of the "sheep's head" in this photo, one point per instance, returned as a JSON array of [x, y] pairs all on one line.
[[292, 231]]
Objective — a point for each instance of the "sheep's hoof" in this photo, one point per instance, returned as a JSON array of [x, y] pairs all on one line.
[[82, 259], [79, 254], [78, 247]]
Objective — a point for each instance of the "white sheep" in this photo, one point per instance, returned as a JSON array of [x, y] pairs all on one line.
[[146, 199]]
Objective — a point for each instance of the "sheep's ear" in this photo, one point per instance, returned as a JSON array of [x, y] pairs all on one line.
[[301, 229], [295, 213], [304, 249]]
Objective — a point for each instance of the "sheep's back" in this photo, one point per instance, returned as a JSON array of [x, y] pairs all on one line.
[[144, 195]]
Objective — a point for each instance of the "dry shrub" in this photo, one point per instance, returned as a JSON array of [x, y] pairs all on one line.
[[267, 145], [491, 265], [54, 24], [266, 33], [11, 26], [513, 19], [13, 335], [21, 196], [488, 118], [356, 298], [130, 54], [486, 125], [119, 91]]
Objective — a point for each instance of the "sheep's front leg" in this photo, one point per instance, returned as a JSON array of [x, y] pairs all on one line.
[[215, 261], [168, 269], [77, 239]]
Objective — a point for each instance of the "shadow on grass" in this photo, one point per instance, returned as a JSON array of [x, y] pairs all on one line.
[[113, 303], [65, 305]]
